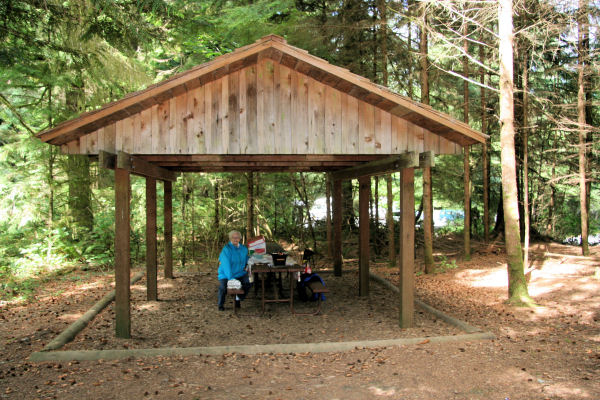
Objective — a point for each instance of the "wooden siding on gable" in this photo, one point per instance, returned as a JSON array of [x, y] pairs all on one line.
[[264, 108]]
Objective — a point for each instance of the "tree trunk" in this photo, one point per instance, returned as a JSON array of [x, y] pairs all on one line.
[[526, 217], [485, 161], [78, 175], [383, 41], [192, 221], [183, 215], [517, 285], [409, 45], [582, 38], [250, 206], [217, 200], [328, 221], [550, 225], [423, 57], [499, 225], [467, 167], [388, 178], [348, 219], [427, 203], [256, 204], [304, 197], [376, 225], [390, 222], [427, 200], [51, 160]]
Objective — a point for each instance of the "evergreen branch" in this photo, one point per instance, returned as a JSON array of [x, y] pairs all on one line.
[[474, 82], [16, 113]]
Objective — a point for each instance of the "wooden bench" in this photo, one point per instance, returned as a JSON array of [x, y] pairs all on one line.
[[316, 287], [233, 293]]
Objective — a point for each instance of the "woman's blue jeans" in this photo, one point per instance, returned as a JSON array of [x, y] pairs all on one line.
[[246, 285]]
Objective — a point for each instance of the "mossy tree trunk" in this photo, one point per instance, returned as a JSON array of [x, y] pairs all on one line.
[[582, 44], [427, 201], [517, 285], [78, 175]]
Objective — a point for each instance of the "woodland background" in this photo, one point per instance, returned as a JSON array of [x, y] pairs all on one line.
[[60, 58]]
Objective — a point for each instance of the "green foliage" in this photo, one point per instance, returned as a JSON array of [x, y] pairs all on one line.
[[58, 59], [445, 264]]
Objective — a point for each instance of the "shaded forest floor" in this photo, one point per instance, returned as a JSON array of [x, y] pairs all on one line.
[[550, 352]]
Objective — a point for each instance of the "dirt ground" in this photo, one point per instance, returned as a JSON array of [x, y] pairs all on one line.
[[549, 352], [186, 316]]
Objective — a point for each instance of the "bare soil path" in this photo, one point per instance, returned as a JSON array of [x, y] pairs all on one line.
[[551, 352]]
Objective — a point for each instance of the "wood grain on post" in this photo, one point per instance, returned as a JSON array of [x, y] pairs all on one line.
[[122, 260], [337, 228], [151, 276], [364, 193], [168, 222], [407, 247]]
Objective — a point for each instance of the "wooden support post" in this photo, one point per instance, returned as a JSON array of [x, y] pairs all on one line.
[[168, 216], [364, 193], [467, 184], [337, 227], [407, 247], [151, 283], [122, 259]]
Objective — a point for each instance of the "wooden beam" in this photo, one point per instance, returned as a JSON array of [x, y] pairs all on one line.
[[379, 167], [364, 194], [407, 247], [337, 227], [141, 167], [427, 159], [107, 160], [168, 228], [122, 260], [214, 158], [135, 165], [151, 283]]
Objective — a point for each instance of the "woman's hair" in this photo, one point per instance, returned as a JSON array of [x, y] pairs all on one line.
[[234, 232]]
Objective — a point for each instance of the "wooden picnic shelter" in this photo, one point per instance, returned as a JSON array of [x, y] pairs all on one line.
[[270, 107]]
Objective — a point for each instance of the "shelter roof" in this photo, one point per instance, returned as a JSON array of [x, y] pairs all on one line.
[[277, 49]]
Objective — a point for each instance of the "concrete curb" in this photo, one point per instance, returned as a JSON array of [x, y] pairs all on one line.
[[325, 347], [444, 317], [72, 330]]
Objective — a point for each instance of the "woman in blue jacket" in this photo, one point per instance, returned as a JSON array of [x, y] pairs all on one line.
[[232, 265]]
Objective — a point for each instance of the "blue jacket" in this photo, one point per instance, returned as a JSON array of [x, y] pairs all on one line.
[[232, 261]]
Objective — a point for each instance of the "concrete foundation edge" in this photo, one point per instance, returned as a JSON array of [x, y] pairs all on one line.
[[325, 347]]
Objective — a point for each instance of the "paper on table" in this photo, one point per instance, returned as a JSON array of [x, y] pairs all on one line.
[[268, 259]]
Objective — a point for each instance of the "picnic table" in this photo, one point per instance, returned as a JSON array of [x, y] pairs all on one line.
[[262, 266]]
